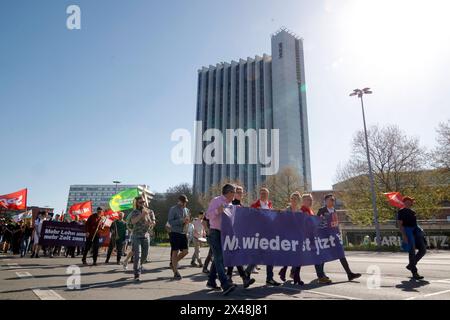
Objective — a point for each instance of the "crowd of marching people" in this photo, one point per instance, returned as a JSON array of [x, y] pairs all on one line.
[[130, 238]]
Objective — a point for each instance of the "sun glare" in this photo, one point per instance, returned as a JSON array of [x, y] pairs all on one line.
[[395, 35]]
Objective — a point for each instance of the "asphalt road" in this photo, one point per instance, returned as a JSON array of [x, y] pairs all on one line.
[[46, 278]]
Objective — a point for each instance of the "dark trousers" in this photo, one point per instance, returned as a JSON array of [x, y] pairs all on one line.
[[94, 243], [208, 259], [419, 244], [217, 268], [24, 243], [119, 246], [269, 271], [70, 251], [344, 262], [240, 270]]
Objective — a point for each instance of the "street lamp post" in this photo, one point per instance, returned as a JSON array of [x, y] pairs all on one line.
[[360, 93], [117, 184]]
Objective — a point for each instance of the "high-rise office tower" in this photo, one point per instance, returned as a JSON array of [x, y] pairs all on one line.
[[267, 92]]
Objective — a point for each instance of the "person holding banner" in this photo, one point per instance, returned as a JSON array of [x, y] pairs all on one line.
[[118, 233], [263, 203], [214, 215], [70, 251], [325, 212], [294, 207], [93, 223], [307, 201], [246, 279], [37, 233]]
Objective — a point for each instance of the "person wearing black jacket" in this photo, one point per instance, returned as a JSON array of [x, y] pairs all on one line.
[[412, 235], [324, 212]]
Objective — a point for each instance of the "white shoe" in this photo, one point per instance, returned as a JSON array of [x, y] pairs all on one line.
[[125, 266]]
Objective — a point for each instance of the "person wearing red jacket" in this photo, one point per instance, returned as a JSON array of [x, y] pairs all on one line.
[[263, 203], [92, 237]]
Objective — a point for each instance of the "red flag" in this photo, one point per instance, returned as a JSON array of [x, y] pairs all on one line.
[[395, 199], [15, 201], [111, 215], [83, 210]]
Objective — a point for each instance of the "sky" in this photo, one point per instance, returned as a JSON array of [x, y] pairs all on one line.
[[94, 105]]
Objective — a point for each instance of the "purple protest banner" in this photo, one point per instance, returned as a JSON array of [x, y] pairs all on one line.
[[268, 237], [67, 234]]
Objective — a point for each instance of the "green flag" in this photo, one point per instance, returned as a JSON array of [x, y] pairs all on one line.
[[123, 200]]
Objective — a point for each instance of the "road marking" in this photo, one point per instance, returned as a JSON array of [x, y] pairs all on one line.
[[436, 293], [334, 295], [318, 292], [47, 294], [446, 281], [24, 274], [428, 295], [12, 265], [397, 261]]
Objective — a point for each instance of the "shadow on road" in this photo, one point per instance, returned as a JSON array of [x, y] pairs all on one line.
[[412, 285]]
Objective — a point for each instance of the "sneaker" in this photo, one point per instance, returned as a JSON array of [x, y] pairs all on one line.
[[228, 289], [205, 271], [84, 262], [177, 276], [409, 267], [200, 265], [125, 266], [212, 286], [353, 276], [417, 276], [272, 282], [194, 265], [299, 282], [324, 280], [136, 278], [248, 282], [118, 263]]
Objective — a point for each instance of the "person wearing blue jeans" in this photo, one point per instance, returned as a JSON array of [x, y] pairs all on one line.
[[413, 236], [214, 215], [217, 267]]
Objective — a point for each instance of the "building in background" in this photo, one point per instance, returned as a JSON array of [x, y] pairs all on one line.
[[267, 92], [99, 194]]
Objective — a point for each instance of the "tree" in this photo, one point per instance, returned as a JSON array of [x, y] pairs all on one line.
[[398, 163], [441, 154], [162, 202]]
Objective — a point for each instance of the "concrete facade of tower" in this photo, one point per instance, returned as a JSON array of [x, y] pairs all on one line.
[[267, 92]]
